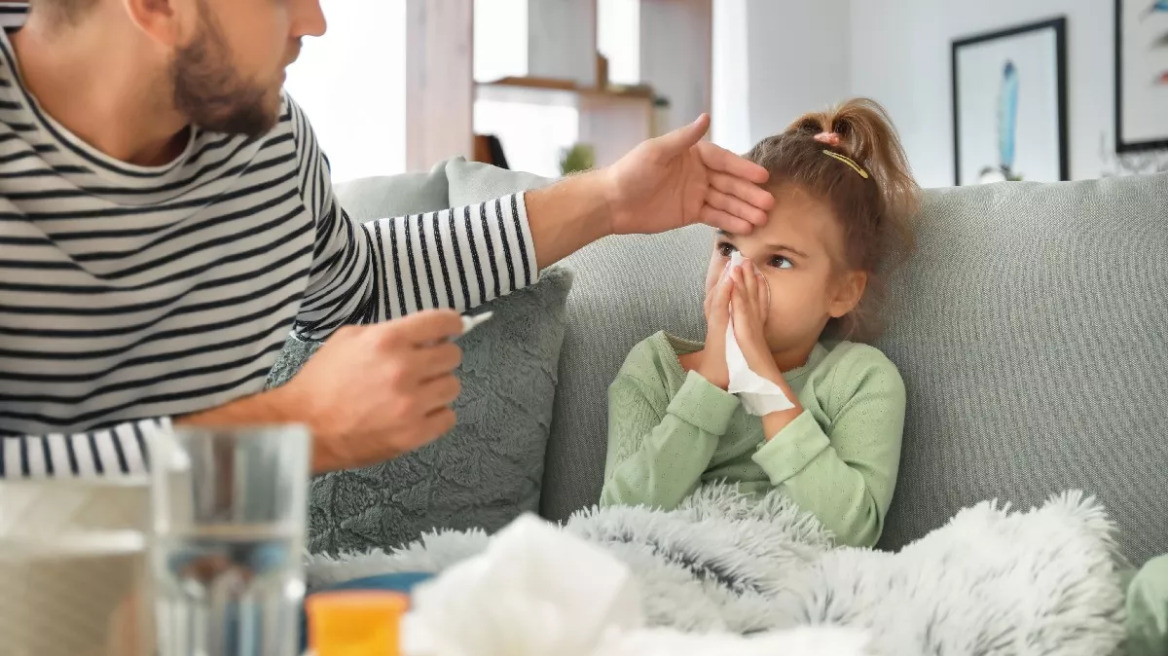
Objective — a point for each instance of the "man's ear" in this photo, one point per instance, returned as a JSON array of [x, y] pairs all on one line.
[[164, 21], [847, 294]]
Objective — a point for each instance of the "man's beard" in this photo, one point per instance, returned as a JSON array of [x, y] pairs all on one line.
[[210, 93]]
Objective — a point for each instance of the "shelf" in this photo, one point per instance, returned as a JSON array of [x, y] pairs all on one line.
[[559, 93]]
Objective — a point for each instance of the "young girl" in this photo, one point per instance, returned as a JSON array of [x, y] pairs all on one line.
[[805, 297]]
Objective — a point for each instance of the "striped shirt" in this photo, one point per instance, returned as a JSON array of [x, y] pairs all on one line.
[[132, 294]]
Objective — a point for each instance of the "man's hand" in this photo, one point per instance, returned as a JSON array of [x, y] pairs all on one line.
[[678, 179], [372, 393], [369, 394], [665, 183]]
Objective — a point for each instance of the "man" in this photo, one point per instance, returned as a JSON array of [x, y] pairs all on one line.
[[166, 217]]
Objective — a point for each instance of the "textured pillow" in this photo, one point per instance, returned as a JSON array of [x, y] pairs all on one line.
[[483, 474]]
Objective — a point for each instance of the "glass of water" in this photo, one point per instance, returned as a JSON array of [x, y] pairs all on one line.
[[228, 535]]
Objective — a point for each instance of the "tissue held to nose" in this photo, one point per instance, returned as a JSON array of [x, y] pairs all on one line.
[[737, 260], [759, 396]]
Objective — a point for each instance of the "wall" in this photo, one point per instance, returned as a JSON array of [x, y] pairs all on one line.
[[730, 109], [800, 59], [561, 40], [360, 125], [500, 39], [675, 46], [901, 57], [774, 61]]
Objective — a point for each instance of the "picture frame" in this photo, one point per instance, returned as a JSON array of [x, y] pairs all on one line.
[[1141, 75], [1010, 104]]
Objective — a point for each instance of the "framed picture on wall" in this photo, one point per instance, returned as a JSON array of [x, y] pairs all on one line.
[[1010, 105], [1141, 75]]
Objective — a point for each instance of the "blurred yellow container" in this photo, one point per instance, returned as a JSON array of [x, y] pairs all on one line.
[[355, 623]]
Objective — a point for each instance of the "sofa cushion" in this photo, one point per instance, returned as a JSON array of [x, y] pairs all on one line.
[[471, 182], [484, 473], [397, 195], [1030, 330]]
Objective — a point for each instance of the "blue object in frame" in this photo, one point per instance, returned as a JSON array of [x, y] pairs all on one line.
[[1008, 118], [1157, 5]]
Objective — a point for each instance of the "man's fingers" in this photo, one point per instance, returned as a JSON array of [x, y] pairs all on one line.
[[422, 329], [723, 220], [438, 393], [719, 159], [684, 138], [439, 422], [752, 194], [439, 360], [736, 207]]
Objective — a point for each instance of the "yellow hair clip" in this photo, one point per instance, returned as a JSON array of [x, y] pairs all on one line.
[[847, 160]]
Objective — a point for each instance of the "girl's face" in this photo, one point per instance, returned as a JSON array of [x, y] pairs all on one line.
[[797, 252]]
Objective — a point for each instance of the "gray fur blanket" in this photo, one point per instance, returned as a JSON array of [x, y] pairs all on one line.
[[991, 582]]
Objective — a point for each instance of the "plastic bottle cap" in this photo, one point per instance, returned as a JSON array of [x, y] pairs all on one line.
[[355, 622]]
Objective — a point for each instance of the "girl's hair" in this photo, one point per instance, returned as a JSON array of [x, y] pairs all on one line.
[[850, 156]]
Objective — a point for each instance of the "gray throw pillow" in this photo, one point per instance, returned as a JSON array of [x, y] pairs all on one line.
[[366, 199], [469, 183], [483, 474]]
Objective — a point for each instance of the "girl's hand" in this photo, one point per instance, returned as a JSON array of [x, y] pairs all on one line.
[[712, 364], [749, 308]]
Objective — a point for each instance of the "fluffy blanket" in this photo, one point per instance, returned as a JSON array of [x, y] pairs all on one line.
[[993, 581]]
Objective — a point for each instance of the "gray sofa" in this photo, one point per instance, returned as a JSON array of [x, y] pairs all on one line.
[[1031, 328]]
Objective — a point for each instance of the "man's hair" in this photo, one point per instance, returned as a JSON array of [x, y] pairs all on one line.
[[62, 11]]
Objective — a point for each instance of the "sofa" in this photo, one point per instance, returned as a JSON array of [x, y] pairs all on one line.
[[1030, 326]]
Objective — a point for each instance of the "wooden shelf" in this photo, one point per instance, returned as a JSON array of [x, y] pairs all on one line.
[[559, 93]]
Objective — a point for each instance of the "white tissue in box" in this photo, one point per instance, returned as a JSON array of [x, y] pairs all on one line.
[[536, 591]]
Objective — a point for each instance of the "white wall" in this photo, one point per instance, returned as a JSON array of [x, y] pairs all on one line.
[[500, 39], [675, 37], [901, 57], [351, 84], [730, 109], [774, 61], [561, 40], [618, 38], [800, 59]]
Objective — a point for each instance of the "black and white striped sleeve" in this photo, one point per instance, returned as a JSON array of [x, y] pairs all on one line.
[[387, 268], [122, 450]]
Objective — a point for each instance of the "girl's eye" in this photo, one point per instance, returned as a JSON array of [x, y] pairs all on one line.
[[726, 249], [780, 262]]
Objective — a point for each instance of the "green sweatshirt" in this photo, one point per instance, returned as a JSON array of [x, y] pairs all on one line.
[[1147, 610], [670, 431]]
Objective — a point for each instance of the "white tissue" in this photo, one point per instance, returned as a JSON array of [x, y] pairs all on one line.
[[536, 591], [470, 322], [759, 396]]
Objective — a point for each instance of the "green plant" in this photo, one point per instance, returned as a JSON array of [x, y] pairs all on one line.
[[579, 158]]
